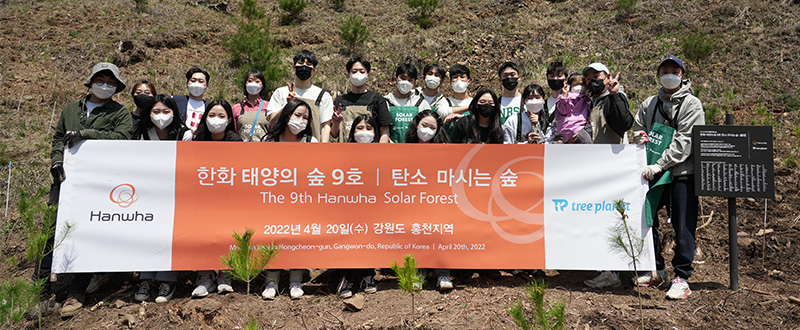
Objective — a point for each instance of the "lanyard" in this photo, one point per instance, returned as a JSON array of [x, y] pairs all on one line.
[[255, 121], [673, 122]]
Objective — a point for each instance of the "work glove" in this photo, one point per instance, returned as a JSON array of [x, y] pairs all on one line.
[[57, 171], [650, 171], [72, 137], [640, 137]]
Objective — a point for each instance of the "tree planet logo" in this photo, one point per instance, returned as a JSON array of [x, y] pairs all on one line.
[[124, 195]]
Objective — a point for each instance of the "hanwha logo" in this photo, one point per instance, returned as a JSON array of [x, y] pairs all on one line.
[[123, 195]]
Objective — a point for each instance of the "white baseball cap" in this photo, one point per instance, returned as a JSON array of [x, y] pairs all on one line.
[[597, 67]]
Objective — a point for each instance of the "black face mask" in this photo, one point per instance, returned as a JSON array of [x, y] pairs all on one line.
[[144, 101], [485, 110], [597, 86], [555, 84], [510, 83], [303, 72]]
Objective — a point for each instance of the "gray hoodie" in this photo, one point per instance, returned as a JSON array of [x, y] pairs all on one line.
[[678, 155]]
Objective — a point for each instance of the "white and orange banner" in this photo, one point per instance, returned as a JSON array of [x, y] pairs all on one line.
[[140, 206]]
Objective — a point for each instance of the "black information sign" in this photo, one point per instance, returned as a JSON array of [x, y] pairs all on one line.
[[733, 161]]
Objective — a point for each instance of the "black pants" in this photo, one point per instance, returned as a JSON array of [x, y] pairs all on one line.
[[44, 267], [682, 204]]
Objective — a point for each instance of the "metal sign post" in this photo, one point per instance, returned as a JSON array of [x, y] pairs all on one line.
[[733, 234]]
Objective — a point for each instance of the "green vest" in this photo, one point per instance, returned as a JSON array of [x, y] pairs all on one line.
[[401, 117], [660, 139]]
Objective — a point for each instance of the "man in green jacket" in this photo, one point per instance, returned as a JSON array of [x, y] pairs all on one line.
[[95, 116]]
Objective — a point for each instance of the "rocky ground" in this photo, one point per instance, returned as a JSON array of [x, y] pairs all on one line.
[[48, 47]]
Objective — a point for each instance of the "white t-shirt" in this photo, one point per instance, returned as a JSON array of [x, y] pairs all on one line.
[[509, 106], [194, 112], [410, 101], [91, 106], [278, 101], [460, 103], [510, 129]]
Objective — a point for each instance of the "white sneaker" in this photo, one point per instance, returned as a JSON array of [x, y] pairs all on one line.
[[345, 289], [654, 278], [224, 284], [205, 285], [679, 289], [604, 280], [445, 283], [295, 290], [269, 291], [97, 281], [165, 292], [368, 285]]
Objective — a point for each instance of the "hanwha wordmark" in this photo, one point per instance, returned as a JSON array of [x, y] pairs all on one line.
[[124, 195]]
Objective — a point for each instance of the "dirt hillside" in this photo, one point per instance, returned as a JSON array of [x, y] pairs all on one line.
[[750, 69]]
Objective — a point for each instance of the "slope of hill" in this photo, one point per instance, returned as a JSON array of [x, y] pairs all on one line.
[[48, 48]]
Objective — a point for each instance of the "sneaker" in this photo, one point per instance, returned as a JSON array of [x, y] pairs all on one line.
[[205, 285], [71, 307], [368, 284], [295, 290], [165, 292], [606, 279], [43, 308], [344, 289], [445, 283], [142, 292], [655, 278], [269, 291], [679, 289], [224, 284], [96, 282]]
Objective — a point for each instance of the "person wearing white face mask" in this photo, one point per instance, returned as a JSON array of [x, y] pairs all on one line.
[[304, 67], [674, 110], [292, 125], [363, 130], [433, 75], [459, 81], [404, 103], [216, 123], [572, 112], [95, 116], [523, 128], [250, 116], [426, 127], [158, 122], [360, 101], [191, 107]]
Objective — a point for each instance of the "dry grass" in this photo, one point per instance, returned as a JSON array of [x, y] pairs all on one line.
[[755, 59]]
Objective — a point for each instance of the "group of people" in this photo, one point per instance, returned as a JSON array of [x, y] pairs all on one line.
[[589, 106]]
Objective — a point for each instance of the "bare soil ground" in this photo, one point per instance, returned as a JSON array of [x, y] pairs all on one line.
[[48, 48]]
